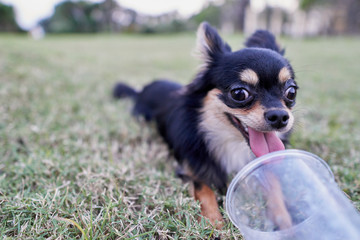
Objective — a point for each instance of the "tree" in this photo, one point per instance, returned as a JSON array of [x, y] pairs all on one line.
[[68, 17], [211, 14], [7, 19], [84, 16]]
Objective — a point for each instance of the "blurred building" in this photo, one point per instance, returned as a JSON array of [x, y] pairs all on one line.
[[295, 18]]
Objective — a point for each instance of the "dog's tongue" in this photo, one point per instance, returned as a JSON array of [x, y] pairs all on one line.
[[262, 143]]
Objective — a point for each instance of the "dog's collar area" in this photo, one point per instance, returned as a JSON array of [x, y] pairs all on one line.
[[238, 125]]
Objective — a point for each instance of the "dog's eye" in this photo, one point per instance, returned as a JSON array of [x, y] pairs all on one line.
[[290, 93], [240, 94]]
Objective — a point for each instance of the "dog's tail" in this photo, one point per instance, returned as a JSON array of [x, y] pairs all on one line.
[[122, 90]]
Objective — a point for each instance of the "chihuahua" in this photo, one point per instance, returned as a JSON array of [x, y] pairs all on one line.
[[237, 108]]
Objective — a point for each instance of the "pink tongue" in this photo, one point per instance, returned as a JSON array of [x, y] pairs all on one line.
[[263, 143]]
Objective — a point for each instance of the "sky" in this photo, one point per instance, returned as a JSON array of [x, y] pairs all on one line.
[[28, 13]]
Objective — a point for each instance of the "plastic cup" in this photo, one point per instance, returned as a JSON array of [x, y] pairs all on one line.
[[304, 185]]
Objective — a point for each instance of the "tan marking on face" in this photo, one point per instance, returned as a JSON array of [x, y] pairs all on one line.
[[249, 76], [253, 117], [225, 141], [284, 74], [214, 109]]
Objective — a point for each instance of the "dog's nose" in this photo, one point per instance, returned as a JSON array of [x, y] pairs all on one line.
[[277, 118]]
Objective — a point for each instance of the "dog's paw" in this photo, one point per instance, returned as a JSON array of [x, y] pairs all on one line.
[[214, 218]]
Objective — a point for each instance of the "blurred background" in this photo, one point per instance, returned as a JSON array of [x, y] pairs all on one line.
[[295, 18], [69, 152]]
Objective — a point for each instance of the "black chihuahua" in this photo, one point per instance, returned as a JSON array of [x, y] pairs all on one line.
[[237, 107]]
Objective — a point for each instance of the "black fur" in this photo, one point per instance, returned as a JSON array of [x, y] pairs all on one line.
[[177, 109], [122, 90], [177, 118], [264, 39]]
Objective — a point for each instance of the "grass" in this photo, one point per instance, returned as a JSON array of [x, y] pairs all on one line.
[[75, 165]]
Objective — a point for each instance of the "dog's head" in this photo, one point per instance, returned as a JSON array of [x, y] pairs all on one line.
[[253, 90]]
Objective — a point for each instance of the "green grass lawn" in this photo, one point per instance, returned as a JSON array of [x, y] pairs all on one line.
[[74, 163]]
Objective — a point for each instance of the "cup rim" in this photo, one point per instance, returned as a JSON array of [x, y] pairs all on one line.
[[258, 162]]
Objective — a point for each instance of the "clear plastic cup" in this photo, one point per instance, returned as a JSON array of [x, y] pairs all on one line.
[[290, 195]]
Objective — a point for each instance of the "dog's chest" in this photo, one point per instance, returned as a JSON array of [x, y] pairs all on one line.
[[230, 151], [225, 143]]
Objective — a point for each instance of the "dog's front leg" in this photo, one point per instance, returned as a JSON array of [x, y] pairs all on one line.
[[276, 203], [208, 203]]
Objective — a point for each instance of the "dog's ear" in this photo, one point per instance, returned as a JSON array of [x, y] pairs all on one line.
[[209, 43], [264, 39], [210, 46]]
